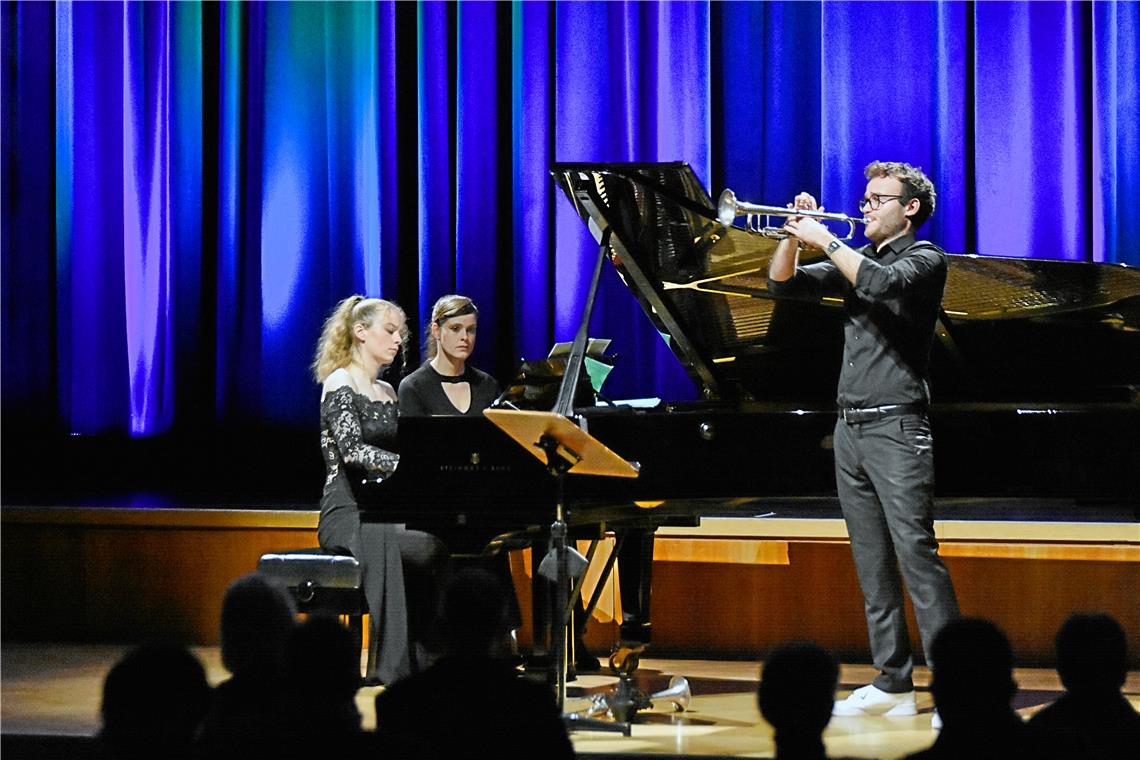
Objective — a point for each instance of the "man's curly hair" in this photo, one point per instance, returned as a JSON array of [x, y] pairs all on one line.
[[915, 184]]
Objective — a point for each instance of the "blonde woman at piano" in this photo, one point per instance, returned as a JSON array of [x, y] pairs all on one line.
[[445, 385], [361, 339]]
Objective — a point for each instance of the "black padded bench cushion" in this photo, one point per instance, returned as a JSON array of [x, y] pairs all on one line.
[[312, 566]]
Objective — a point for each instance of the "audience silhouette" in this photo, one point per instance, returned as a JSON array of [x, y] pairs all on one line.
[[797, 691], [153, 700], [247, 713], [1092, 660], [293, 686], [973, 688], [322, 671], [472, 702]]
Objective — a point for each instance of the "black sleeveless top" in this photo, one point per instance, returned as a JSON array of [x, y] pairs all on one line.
[[422, 395]]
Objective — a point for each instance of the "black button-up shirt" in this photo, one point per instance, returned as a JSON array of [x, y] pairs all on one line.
[[890, 316]]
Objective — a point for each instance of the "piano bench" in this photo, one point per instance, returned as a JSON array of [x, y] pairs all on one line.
[[323, 583]]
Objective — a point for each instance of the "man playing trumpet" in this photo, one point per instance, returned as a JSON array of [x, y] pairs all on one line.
[[884, 466]]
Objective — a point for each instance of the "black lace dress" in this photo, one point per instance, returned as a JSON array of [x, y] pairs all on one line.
[[401, 567]]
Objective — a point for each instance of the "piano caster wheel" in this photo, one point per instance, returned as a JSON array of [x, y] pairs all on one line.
[[626, 657]]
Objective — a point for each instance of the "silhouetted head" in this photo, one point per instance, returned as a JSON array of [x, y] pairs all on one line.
[[257, 616], [797, 689], [322, 662], [153, 700], [1092, 655], [475, 614], [973, 672]]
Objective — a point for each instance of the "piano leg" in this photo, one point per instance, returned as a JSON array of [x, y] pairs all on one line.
[[635, 559]]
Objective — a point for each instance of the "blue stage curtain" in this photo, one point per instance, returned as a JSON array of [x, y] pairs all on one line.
[[894, 87], [765, 100], [612, 106], [190, 187], [434, 145], [530, 197], [28, 236], [306, 204], [1115, 102]]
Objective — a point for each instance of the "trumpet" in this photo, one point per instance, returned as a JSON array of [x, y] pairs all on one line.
[[728, 208], [623, 702]]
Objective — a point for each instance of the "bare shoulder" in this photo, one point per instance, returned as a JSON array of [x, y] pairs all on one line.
[[384, 391], [339, 378]]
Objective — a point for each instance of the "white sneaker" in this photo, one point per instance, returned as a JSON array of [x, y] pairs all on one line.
[[935, 721], [869, 700]]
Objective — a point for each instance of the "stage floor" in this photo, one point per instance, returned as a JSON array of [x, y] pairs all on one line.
[[54, 690]]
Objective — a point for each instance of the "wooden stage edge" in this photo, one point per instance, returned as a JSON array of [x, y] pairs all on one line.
[[730, 588]]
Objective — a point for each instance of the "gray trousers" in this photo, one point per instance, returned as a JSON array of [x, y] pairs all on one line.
[[403, 575], [884, 471]]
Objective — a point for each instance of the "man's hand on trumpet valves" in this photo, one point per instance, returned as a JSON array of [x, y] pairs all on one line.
[[809, 232], [805, 201]]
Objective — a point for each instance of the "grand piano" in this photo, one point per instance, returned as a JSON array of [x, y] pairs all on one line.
[[1035, 383]]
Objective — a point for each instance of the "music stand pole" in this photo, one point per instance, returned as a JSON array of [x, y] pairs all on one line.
[[558, 466], [565, 449]]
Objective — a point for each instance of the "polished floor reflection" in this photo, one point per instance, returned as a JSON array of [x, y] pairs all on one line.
[[54, 690]]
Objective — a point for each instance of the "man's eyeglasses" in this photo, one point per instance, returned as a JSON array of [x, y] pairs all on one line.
[[876, 200]]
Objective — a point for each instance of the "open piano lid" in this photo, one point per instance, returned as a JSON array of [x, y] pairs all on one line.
[[1012, 328]]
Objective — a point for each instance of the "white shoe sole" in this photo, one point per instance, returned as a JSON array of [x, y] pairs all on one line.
[[897, 710]]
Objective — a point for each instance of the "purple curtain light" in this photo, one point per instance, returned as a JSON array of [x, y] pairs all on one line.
[[147, 214], [1032, 59], [95, 379], [435, 144]]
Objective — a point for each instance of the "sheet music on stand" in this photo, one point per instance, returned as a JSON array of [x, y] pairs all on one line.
[[537, 382], [595, 348]]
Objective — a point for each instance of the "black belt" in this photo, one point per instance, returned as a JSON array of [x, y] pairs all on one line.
[[870, 414]]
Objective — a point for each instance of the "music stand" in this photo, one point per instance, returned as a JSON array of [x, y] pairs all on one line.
[[565, 449]]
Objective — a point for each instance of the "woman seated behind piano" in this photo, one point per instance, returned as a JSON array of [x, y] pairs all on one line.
[[403, 569], [445, 384]]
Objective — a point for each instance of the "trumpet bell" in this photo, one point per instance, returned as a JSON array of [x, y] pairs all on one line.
[[678, 692], [726, 208]]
